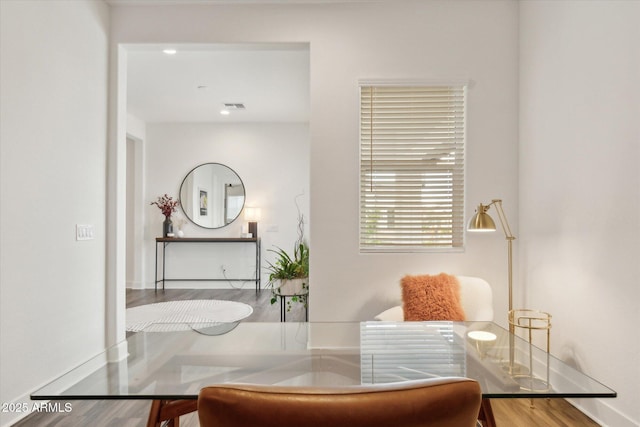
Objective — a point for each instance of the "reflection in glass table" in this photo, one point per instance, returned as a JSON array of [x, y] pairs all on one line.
[[171, 367]]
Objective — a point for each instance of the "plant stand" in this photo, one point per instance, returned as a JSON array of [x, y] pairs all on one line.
[[529, 321], [283, 306], [292, 288]]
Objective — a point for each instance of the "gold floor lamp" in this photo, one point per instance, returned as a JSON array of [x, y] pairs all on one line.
[[482, 222]]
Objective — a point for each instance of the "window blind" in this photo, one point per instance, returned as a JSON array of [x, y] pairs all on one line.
[[393, 352], [411, 167]]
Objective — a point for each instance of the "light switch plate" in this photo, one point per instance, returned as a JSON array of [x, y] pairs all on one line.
[[84, 232]]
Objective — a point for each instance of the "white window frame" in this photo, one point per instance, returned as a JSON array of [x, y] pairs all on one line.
[[401, 237]]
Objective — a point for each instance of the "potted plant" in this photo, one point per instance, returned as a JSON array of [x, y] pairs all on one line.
[[289, 275]]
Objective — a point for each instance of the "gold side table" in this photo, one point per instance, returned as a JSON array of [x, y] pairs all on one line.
[[529, 321]]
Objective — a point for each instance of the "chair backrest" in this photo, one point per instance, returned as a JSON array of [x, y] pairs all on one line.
[[476, 298], [436, 402]]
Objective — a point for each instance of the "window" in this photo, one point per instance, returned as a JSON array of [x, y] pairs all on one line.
[[411, 167]]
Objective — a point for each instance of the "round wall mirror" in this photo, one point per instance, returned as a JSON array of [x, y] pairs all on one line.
[[212, 195]]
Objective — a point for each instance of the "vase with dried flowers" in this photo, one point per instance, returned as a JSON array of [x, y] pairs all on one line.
[[167, 206]]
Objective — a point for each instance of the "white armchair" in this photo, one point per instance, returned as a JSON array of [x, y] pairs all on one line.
[[476, 298]]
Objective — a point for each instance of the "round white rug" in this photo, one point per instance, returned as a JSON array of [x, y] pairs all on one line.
[[185, 315]]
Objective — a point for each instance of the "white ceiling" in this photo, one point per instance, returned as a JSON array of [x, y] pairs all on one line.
[[223, 2], [271, 80]]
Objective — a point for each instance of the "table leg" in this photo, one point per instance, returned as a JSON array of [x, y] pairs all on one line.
[[154, 413], [258, 266], [170, 411], [485, 416], [164, 253], [283, 316], [155, 281]]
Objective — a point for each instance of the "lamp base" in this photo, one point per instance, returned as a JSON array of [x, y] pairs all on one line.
[[253, 229], [532, 383], [513, 368]]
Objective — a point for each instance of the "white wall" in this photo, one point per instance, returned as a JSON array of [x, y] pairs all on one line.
[[136, 206], [580, 188], [272, 160], [136, 128], [410, 40], [53, 80], [53, 113]]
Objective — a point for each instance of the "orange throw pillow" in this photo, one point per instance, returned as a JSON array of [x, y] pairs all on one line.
[[428, 297]]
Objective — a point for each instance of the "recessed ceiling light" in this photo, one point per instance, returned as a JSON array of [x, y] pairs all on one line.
[[234, 106], [231, 106], [170, 51]]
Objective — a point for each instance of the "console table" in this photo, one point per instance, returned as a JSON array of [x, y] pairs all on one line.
[[163, 242]]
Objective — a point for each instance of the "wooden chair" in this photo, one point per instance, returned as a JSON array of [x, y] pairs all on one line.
[[437, 402]]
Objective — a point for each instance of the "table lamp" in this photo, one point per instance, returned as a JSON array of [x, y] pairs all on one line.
[[252, 216]]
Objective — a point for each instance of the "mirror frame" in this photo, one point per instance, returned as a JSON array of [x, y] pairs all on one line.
[[244, 196]]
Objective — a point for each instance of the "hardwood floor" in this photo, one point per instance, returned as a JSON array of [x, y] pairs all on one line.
[[545, 412], [263, 310], [133, 413]]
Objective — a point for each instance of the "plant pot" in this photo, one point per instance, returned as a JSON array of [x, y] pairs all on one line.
[[292, 286]]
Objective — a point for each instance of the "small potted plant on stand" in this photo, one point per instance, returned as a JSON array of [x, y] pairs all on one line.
[[289, 276]]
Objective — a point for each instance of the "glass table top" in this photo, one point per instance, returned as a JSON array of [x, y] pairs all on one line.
[[176, 364]]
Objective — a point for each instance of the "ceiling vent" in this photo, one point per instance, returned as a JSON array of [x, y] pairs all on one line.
[[232, 106]]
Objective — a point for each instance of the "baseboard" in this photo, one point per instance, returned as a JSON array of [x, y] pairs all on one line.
[[135, 285], [600, 411], [15, 413], [118, 352], [24, 406], [249, 285]]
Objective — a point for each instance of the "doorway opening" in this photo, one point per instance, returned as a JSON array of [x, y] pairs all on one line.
[[186, 104]]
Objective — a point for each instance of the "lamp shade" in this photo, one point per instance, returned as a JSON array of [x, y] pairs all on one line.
[[251, 214], [481, 221]]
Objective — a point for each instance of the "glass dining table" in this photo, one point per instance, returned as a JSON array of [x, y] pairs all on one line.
[[169, 363]]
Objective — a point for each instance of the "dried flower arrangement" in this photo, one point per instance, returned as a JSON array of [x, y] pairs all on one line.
[[166, 204]]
